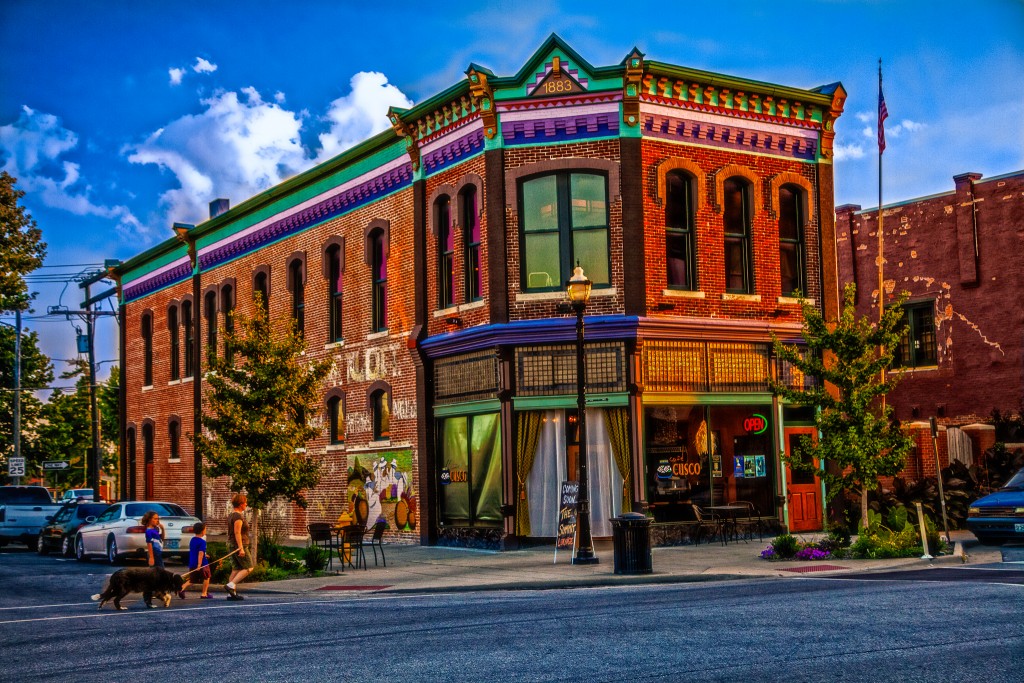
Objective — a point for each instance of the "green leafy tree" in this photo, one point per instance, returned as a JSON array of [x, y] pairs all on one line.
[[254, 430], [36, 373], [21, 246], [858, 437], [66, 429], [108, 396]]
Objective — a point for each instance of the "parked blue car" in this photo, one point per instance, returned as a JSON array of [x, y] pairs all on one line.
[[999, 516]]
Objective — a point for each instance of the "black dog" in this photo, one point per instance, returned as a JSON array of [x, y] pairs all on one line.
[[149, 581]]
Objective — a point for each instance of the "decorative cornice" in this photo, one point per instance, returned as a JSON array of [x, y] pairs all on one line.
[[454, 151], [729, 136], [405, 130], [555, 66], [561, 128], [576, 99], [828, 133], [480, 91], [631, 82], [166, 278]]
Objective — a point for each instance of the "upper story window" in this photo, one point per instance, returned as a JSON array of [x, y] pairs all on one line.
[[739, 270], [917, 348], [445, 251], [261, 289], [210, 313], [174, 439], [379, 275], [336, 419], [470, 221], [227, 305], [174, 328], [564, 220], [680, 254], [792, 260], [334, 292], [381, 409], [297, 285], [187, 323], [147, 349]]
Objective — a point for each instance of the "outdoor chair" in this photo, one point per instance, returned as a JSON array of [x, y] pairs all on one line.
[[322, 536], [708, 522], [352, 537], [377, 541]]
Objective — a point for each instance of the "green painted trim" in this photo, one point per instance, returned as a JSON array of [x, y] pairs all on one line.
[[173, 250], [462, 160], [569, 401], [566, 142], [724, 399], [734, 82], [491, 405]]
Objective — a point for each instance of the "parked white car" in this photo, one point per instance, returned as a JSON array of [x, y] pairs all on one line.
[[118, 534]]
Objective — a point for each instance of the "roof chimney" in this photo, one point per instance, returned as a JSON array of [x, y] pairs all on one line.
[[219, 206]]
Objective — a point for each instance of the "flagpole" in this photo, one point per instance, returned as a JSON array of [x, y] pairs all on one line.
[[881, 147]]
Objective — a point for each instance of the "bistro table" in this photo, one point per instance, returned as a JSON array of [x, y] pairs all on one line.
[[728, 514]]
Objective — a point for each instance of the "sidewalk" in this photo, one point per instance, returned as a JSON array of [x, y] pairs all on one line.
[[422, 569]]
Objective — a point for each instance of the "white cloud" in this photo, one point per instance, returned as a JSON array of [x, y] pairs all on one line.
[[279, 97], [238, 146], [203, 66], [895, 130], [865, 116], [360, 114], [176, 75], [851, 151], [31, 149]]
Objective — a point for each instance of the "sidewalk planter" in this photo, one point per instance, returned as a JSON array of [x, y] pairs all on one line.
[[631, 543]]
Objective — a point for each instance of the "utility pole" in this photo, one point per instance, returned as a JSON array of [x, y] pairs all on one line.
[[94, 454], [17, 386]]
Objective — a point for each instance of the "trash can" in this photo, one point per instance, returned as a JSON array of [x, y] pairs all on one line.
[[631, 543]]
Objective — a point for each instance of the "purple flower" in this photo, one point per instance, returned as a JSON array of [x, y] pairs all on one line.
[[768, 553], [812, 553]]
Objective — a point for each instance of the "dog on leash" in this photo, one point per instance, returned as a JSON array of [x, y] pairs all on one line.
[[150, 581]]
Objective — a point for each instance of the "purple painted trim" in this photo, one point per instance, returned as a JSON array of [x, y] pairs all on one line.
[[454, 151], [729, 136], [165, 279], [561, 128], [543, 331]]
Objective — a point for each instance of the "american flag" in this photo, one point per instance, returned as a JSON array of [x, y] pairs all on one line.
[[883, 114]]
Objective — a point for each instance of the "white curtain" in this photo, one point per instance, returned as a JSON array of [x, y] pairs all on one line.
[[549, 471], [547, 474]]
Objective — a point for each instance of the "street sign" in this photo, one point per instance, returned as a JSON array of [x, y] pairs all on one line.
[[56, 464], [16, 467]]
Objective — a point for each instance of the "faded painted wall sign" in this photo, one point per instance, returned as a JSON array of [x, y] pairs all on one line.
[[377, 362]]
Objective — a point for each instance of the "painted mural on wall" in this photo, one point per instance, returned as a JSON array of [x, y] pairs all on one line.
[[381, 487]]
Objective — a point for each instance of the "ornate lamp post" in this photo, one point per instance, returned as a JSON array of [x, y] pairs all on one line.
[[578, 289]]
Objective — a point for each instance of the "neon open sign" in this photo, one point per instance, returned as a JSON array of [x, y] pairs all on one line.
[[755, 424]]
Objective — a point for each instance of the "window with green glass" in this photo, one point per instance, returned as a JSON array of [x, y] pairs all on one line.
[[917, 347], [564, 220], [470, 475]]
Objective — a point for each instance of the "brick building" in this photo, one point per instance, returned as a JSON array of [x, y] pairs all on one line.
[[429, 264], [960, 256]]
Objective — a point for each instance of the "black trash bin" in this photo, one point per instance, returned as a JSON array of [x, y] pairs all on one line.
[[631, 543]]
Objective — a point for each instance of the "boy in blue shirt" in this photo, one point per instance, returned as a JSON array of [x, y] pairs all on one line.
[[198, 561]]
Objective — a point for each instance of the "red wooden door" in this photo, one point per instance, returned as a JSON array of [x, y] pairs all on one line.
[[148, 493], [803, 488]]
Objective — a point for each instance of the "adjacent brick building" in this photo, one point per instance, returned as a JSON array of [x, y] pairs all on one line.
[[429, 264]]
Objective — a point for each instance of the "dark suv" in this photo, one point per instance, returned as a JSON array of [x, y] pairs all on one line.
[[59, 532]]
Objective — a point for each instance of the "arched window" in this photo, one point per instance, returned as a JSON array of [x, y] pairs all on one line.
[[379, 275], [380, 405], [174, 439], [334, 292], [210, 313], [261, 289], [174, 327], [739, 275], [227, 306], [792, 260], [297, 285], [563, 219], [445, 251], [187, 323], [470, 220], [336, 419], [680, 254], [147, 349]]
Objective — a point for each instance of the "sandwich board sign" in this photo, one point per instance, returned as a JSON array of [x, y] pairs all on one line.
[[567, 501]]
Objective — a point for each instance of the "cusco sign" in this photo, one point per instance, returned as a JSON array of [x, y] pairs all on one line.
[[755, 424]]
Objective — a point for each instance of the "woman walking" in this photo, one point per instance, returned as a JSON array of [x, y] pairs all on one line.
[[238, 538]]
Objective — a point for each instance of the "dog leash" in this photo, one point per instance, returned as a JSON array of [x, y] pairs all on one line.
[[212, 564]]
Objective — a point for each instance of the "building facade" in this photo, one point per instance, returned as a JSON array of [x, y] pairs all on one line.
[[959, 255], [429, 264]]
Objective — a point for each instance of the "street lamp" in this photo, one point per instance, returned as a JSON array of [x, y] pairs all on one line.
[[578, 289]]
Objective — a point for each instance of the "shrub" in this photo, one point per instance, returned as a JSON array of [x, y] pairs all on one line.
[[315, 558], [785, 546]]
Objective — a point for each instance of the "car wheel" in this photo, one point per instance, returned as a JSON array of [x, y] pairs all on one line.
[[41, 545], [67, 546], [80, 550], [112, 557]]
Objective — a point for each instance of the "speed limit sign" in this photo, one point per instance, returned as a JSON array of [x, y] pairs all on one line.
[[16, 467]]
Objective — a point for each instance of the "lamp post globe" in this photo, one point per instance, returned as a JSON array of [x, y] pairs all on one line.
[[578, 291]]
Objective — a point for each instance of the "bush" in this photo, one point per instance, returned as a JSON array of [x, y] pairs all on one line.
[[315, 558], [785, 546]]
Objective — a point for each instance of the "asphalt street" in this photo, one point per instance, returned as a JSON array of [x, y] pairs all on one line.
[[946, 624]]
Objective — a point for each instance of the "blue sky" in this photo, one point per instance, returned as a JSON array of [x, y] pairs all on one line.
[[120, 118]]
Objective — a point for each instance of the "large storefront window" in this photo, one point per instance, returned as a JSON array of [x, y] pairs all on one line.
[[708, 456], [471, 470]]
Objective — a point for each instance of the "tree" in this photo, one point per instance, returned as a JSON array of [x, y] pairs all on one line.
[[254, 430], [65, 432], [36, 373], [21, 247], [858, 436]]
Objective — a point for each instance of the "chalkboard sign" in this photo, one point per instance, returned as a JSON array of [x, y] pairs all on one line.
[[567, 515]]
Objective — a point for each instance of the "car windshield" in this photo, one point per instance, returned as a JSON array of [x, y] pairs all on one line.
[[83, 511], [162, 509], [1016, 482], [24, 495]]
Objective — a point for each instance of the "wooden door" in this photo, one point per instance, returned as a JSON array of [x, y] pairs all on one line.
[[803, 488], [149, 481]]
